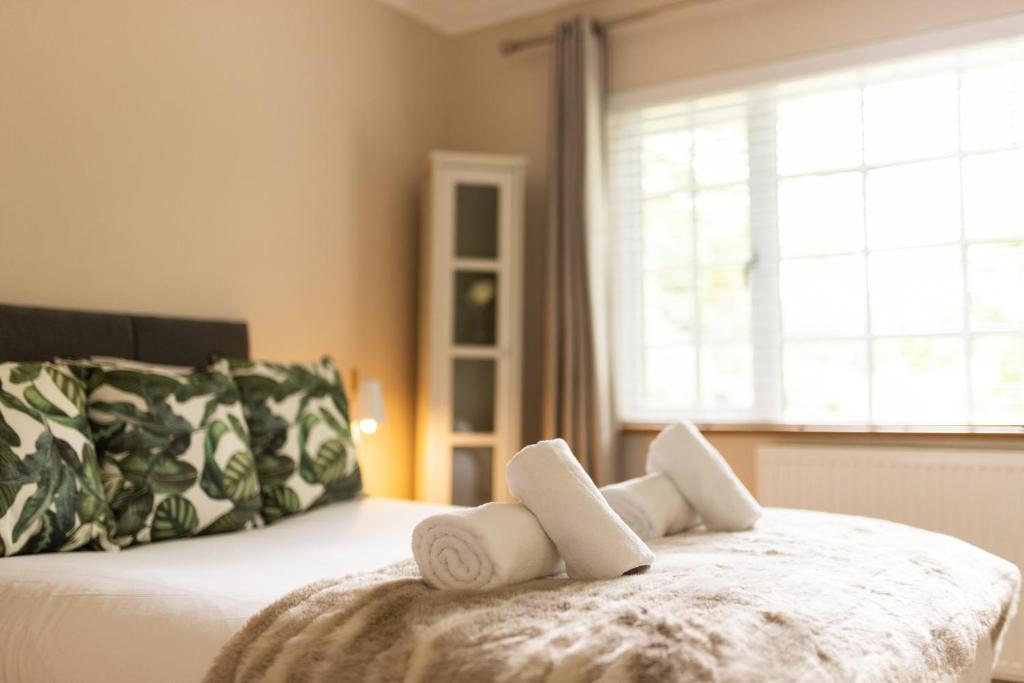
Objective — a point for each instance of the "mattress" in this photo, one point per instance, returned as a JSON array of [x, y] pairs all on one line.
[[161, 612]]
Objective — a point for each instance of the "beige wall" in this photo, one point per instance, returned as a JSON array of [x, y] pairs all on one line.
[[255, 159], [499, 104], [261, 159]]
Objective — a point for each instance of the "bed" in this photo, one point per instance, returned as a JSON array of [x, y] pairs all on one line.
[[168, 611]]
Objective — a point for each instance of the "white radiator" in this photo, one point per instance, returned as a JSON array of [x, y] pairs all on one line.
[[977, 496]]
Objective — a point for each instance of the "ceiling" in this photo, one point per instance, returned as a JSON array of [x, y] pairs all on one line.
[[462, 16]]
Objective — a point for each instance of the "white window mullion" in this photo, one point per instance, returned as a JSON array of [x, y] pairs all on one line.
[[763, 270], [628, 297], [966, 332], [869, 357], [694, 264]]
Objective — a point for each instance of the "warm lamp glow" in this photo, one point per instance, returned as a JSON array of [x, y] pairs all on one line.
[[368, 412]]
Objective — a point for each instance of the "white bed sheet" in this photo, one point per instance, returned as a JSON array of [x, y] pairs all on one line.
[[161, 612]]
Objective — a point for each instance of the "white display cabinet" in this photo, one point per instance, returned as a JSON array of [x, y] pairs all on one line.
[[468, 404]]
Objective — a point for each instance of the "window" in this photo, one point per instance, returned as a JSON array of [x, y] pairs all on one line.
[[844, 249]]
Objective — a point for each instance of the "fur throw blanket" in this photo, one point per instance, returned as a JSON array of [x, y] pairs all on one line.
[[805, 596]]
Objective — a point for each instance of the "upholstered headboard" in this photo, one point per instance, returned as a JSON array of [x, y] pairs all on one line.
[[34, 334]]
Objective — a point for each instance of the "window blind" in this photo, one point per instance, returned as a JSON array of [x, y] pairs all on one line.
[[841, 248]]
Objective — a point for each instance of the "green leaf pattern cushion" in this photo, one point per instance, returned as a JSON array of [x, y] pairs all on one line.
[[299, 420], [173, 450], [51, 495]]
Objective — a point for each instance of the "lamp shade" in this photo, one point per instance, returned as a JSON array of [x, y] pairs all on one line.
[[369, 412]]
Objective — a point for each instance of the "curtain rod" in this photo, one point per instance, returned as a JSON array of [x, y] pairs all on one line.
[[509, 47]]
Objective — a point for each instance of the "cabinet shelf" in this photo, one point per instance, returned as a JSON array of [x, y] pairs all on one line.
[[473, 351], [488, 265], [473, 439]]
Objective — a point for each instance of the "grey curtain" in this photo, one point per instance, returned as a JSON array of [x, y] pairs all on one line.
[[577, 400]]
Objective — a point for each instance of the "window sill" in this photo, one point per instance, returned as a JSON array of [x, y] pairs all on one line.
[[782, 428]]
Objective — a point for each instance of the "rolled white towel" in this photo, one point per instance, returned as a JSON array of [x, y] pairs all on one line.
[[651, 506], [594, 542], [703, 477], [493, 545]]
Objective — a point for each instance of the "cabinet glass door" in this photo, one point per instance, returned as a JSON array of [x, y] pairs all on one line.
[[471, 475], [474, 339], [473, 395], [475, 307], [476, 221]]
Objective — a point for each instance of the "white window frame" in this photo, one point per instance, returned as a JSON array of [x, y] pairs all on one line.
[[766, 333]]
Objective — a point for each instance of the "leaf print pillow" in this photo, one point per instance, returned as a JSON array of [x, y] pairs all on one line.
[[51, 495], [173, 448], [299, 420]]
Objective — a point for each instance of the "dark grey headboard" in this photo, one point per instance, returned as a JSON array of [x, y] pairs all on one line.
[[33, 334]]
